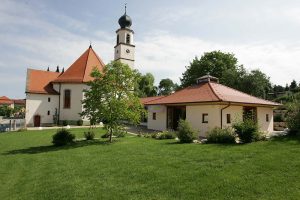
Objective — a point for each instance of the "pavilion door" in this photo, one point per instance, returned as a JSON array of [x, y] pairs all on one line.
[[175, 113], [37, 121]]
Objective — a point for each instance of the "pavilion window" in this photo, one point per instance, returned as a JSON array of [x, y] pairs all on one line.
[[154, 116], [228, 118], [48, 113], [267, 118], [67, 99], [49, 99], [205, 118]]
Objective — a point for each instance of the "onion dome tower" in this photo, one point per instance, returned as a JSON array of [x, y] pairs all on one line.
[[125, 49]]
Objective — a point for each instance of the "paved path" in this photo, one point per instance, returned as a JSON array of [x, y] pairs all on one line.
[[58, 127]]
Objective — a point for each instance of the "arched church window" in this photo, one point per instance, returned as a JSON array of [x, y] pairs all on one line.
[[67, 99], [127, 39], [118, 39]]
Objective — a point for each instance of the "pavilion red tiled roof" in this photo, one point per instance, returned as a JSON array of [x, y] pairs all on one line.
[[39, 81], [80, 70], [210, 92], [5, 101], [148, 99]]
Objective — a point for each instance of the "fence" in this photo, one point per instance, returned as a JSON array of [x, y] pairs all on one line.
[[11, 124]]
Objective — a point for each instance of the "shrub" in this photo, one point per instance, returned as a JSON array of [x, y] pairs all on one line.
[[185, 133], [293, 119], [247, 131], [218, 135], [62, 137], [65, 123], [80, 122], [165, 135], [89, 135]]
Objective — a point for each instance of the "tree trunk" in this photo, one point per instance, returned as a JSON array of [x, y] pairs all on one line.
[[110, 135]]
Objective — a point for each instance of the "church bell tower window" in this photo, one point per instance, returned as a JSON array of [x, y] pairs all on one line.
[[118, 40], [127, 39]]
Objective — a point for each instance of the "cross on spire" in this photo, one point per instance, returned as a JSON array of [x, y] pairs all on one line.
[[125, 8]]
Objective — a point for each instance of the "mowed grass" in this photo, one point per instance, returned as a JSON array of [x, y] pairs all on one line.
[[141, 168]]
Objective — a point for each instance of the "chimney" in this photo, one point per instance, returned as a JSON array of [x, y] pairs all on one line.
[[57, 68], [48, 69], [63, 70]]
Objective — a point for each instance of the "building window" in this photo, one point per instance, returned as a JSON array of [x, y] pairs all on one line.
[[267, 118], [118, 39], [127, 39], [48, 112], [154, 116], [67, 99], [49, 99], [228, 118], [204, 118]]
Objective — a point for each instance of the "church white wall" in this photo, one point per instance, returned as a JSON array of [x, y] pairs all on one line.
[[72, 113], [56, 87], [37, 104]]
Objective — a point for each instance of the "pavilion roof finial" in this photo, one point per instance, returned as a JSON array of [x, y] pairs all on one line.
[[125, 8]]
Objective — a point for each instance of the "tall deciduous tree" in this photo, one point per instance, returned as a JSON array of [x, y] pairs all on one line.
[[166, 86], [145, 85], [225, 67], [111, 99], [216, 63]]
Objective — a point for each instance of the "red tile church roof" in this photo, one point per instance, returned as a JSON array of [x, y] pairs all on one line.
[[80, 70], [210, 92], [39, 81]]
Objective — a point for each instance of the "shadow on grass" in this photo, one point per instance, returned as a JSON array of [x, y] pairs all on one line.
[[286, 138], [51, 148]]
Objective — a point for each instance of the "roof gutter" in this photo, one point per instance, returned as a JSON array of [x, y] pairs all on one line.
[[229, 103]]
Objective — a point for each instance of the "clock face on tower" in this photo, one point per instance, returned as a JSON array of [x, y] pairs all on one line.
[[127, 51]]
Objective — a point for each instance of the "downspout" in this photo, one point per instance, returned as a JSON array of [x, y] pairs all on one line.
[[58, 116], [222, 114]]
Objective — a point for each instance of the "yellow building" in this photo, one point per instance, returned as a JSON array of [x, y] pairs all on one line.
[[207, 105]]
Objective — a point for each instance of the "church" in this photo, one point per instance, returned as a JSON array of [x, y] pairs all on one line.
[[54, 97]]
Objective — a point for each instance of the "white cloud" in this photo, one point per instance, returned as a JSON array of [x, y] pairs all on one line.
[[167, 55]]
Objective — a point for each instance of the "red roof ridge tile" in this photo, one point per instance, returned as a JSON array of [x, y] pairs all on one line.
[[215, 92], [245, 94]]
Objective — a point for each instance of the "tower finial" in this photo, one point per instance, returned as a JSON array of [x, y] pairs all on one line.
[[125, 8], [90, 44]]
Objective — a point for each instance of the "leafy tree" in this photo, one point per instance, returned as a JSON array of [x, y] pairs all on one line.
[[225, 67], [293, 118], [256, 83], [111, 99], [293, 85], [216, 63], [6, 111], [145, 85], [166, 86]]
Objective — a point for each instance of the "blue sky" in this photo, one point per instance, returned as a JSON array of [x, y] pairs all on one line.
[[168, 35]]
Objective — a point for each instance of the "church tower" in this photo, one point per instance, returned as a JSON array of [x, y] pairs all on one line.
[[124, 49]]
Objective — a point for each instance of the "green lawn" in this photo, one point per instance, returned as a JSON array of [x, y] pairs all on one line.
[[140, 168]]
